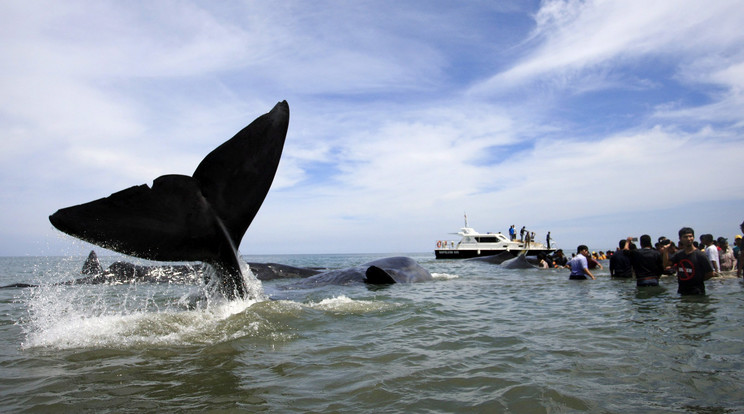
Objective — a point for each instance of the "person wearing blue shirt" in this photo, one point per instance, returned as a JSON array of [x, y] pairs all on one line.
[[579, 265]]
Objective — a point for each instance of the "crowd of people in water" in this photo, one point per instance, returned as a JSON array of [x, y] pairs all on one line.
[[692, 261]]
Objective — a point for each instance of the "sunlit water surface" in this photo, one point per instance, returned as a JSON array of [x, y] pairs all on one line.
[[477, 339]]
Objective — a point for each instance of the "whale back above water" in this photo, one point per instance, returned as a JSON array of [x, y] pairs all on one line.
[[493, 259], [198, 218], [519, 262], [125, 272], [92, 265], [384, 271]]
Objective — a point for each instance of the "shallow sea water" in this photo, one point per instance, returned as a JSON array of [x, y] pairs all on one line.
[[478, 338]]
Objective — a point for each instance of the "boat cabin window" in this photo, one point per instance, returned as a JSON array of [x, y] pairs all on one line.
[[488, 239]]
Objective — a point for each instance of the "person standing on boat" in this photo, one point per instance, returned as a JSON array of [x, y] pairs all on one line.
[[512, 233], [579, 265], [521, 234]]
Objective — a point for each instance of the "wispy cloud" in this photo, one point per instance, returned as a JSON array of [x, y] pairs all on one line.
[[573, 39]]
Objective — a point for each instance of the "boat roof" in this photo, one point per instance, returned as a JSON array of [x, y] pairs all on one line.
[[469, 231]]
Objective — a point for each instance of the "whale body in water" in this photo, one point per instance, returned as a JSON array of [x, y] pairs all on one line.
[[125, 272], [202, 217], [519, 262], [121, 272], [384, 271]]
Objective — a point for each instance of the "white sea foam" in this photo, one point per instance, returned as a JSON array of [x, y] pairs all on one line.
[[67, 322], [444, 276], [344, 304]]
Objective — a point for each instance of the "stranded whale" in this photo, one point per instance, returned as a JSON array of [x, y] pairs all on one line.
[[493, 259], [519, 262], [507, 260], [125, 272], [377, 272], [198, 218]]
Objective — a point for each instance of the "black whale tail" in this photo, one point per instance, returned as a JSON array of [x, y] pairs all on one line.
[[199, 218]]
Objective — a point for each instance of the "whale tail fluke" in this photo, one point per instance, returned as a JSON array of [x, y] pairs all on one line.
[[236, 176], [182, 218]]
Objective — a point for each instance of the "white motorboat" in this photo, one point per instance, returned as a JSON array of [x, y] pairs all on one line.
[[474, 244]]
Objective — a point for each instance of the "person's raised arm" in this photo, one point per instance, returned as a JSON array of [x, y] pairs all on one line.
[[627, 243]]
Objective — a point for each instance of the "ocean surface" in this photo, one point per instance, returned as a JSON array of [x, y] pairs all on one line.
[[478, 338]]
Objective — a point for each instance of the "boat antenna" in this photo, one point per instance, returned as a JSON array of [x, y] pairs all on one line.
[[466, 219]]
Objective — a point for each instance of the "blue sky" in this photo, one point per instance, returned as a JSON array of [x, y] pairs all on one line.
[[590, 119]]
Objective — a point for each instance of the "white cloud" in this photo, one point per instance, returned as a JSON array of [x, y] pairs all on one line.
[[384, 150]]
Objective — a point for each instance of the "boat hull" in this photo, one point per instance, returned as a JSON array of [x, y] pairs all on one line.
[[468, 253]]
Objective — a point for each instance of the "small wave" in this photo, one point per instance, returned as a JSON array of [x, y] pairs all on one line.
[[444, 276], [344, 304]]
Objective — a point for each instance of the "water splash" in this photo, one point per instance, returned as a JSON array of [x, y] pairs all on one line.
[[122, 316], [252, 286]]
